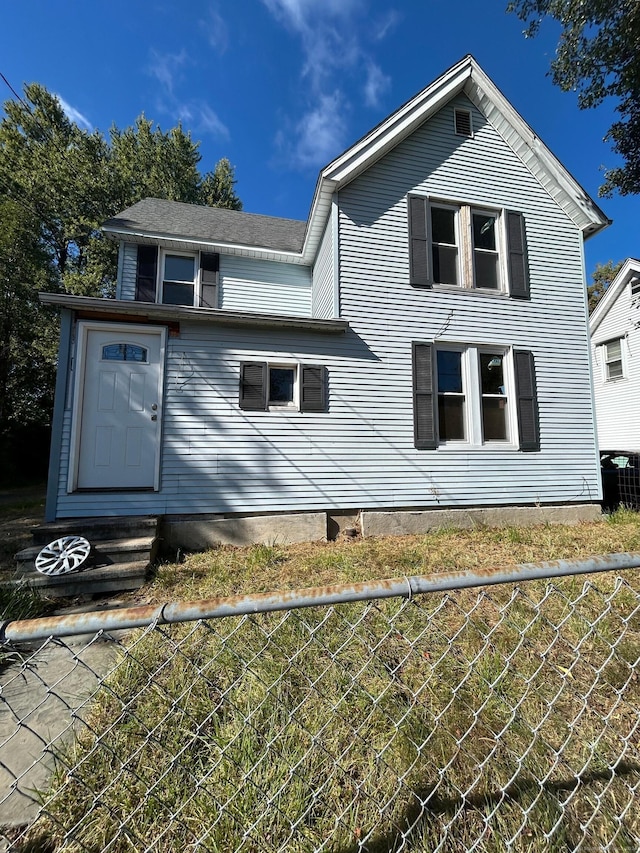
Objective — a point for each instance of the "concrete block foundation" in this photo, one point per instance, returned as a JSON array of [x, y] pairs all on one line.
[[406, 522], [197, 533]]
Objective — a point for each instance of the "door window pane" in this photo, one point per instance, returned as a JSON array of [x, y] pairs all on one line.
[[123, 352]]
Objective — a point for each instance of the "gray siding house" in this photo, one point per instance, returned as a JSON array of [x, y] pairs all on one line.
[[615, 335], [416, 351]]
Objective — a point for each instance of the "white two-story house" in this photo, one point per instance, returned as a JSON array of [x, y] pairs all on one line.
[[416, 350]]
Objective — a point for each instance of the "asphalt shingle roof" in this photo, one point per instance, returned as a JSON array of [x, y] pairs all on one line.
[[210, 224]]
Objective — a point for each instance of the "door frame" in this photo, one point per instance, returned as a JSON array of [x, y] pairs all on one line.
[[83, 327]]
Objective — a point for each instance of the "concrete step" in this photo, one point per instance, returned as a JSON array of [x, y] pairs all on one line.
[[105, 552], [91, 581], [96, 529]]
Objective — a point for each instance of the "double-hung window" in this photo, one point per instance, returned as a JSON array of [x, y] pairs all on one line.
[[473, 248], [467, 396], [177, 278]]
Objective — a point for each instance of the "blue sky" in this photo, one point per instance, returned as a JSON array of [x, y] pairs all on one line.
[[281, 87]]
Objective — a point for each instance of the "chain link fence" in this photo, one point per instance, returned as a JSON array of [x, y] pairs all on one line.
[[443, 713]]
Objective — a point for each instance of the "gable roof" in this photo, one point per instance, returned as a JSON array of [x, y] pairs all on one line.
[[296, 241], [208, 225], [468, 78], [629, 270]]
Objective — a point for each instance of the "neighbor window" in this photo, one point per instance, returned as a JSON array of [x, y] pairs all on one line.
[[613, 366], [467, 246], [467, 396]]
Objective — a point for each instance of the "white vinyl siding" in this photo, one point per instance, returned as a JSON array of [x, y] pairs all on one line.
[[322, 294], [264, 287], [616, 400], [360, 453]]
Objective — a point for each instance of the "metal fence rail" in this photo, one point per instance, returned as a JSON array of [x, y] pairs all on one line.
[[459, 711]]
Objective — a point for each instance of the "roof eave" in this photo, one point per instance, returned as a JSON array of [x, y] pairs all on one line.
[[151, 311], [174, 241]]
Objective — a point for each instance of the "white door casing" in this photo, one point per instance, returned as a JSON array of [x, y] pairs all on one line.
[[116, 423]]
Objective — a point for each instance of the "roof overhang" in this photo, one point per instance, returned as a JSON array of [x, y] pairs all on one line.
[[465, 77], [185, 244], [629, 270], [120, 308]]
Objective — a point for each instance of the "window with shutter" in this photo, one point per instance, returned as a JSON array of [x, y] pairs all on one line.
[[272, 386], [467, 247], [469, 395]]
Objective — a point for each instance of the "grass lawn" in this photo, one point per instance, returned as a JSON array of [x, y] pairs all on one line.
[[503, 718]]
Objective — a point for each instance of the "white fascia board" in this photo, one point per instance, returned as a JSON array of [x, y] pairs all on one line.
[[540, 161], [465, 76], [173, 240], [629, 270]]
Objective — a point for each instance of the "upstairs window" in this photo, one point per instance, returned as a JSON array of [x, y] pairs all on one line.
[[468, 247], [178, 279]]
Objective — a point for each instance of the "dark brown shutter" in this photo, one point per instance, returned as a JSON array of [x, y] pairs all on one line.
[[419, 266], [253, 385], [146, 273], [517, 254], [527, 400], [313, 388], [424, 399], [209, 272]]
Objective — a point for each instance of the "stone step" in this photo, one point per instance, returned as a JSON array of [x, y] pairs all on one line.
[[96, 529], [106, 552], [91, 581]]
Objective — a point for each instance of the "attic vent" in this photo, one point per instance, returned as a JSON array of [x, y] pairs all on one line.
[[635, 286], [462, 120]]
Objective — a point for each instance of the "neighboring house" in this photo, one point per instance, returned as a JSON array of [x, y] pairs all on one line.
[[419, 344], [615, 344]]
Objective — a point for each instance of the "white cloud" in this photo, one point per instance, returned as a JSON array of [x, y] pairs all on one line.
[[74, 115], [375, 85], [386, 24], [215, 29], [320, 133], [165, 68], [196, 116]]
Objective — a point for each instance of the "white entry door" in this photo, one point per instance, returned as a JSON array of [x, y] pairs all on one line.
[[120, 390]]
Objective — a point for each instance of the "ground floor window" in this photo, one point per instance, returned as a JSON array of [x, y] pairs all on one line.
[[467, 395]]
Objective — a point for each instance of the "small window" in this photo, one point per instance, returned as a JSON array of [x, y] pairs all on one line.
[[178, 279], [462, 121], [124, 352], [613, 365], [282, 386]]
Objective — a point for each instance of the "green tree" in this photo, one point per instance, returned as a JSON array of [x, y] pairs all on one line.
[[597, 56], [28, 332], [602, 277], [59, 183]]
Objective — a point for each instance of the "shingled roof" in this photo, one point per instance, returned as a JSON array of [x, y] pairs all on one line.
[[161, 218]]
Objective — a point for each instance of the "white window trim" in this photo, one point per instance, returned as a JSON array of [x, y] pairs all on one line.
[[472, 391], [196, 278], [294, 405], [464, 243], [606, 361]]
